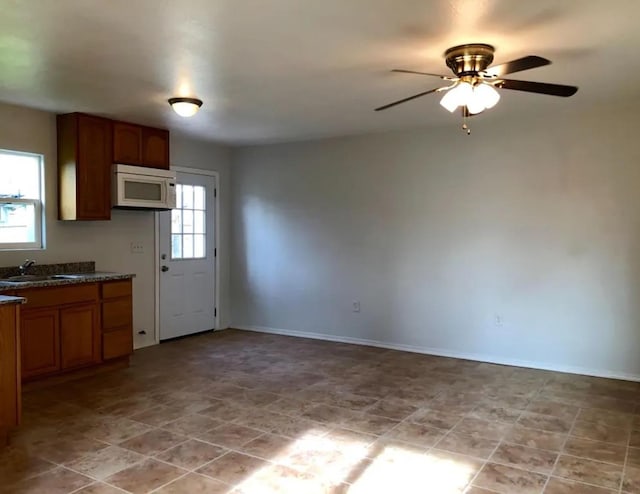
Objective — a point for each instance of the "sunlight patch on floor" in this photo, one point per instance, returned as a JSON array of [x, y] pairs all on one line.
[[349, 462]]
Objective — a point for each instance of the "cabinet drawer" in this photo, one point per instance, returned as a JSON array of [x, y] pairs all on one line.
[[59, 295], [113, 289], [117, 343], [117, 313]]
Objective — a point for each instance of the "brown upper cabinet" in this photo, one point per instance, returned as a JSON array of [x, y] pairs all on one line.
[[141, 146], [127, 143], [87, 148], [85, 151]]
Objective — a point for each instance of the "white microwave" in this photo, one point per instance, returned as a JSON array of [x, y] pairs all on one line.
[[137, 187]]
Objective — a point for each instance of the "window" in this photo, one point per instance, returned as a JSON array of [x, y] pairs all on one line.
[[21, 198], [188, 236]]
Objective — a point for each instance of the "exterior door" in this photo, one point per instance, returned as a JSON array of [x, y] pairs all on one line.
[[187, 258]]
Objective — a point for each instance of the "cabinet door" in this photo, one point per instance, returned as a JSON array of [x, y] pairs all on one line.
[[117, 343], [40, 342], [155, 148], [93, 186], [127, 143], [10, 389], [79, 344]]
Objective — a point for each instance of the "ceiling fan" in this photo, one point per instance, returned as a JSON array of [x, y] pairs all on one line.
[[474, 85]]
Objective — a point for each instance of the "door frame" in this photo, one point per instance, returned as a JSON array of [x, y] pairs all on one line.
[[216, 258]]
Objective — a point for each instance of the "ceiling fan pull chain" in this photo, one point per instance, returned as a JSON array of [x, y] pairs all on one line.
[[465, 127]]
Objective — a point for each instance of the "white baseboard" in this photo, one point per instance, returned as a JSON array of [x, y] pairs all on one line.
[[569, 369]]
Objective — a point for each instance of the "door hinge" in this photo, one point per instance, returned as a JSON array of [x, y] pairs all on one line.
[[215, 252], [215, 192], [215, 312]]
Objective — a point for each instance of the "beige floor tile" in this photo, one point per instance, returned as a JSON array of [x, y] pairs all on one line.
[[544, 422], [631, 482], [68, 450], [370, 424], [233, 468], [556, 409], [145, 476], [269, 447], [563, 486], [152, 442], [506, 479], [223, 410], [195, 484], [191, 454], [493, 413], [595, 450], [467, 445], [535, 460], [192, 424], [633, 457], [416, 434], [106, 462], [230, 435], [598, 432], [392, 409], [116, 431], [436, 418], [158, 416], [17, 464], [99, 488], [588, 471], [534, 438], [482, 428], [606, 417], [57, 481], [196, 387]]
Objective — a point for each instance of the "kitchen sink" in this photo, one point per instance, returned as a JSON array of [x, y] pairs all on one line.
[[30, 278]]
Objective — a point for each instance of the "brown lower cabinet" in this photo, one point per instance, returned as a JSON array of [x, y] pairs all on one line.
[[10, 385], [62, 327], [40, 342]]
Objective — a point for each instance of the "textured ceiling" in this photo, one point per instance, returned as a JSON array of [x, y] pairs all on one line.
[[277, 70]]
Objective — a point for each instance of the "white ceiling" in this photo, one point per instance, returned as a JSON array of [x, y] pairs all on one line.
[[277, 70]]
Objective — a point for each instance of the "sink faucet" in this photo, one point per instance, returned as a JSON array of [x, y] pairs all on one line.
[[25, 266]]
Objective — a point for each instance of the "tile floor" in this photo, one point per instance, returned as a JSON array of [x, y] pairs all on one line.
[[248, 413]]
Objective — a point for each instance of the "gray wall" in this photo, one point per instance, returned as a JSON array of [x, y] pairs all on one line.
[[109, 242], [518, 244]]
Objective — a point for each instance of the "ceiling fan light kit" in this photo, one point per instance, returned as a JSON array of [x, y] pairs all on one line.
[[474, 88]]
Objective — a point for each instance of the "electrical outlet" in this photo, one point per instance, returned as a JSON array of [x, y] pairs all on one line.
[[356, 306], [137, 248]]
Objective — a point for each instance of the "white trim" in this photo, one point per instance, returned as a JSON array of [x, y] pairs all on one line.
[[156, 236], [570, 369], [196, 171]]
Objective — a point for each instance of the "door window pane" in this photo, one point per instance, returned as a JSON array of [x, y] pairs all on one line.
[[188, 223], [198, 246], [198, 222]]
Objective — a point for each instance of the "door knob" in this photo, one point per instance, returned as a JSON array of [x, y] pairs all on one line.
[[164, 269]]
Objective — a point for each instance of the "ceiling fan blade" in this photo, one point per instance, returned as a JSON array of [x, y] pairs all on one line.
[[407, 99], [420, 73], [518, 65], [538, 87]]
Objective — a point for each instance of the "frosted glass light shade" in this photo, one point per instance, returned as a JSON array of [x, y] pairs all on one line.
[[487, 94], [458, 96], [185, 107]]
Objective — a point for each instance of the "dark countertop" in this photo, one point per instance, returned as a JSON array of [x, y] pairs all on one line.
[[77, 278], [5, 300]]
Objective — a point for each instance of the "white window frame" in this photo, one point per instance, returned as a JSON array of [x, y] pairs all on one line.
[[38, 243]]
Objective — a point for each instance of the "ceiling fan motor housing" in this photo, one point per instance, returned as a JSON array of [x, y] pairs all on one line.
[[469, 59]]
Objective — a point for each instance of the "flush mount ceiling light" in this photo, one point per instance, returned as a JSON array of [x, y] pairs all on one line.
[[474, 87], [185, 107]]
